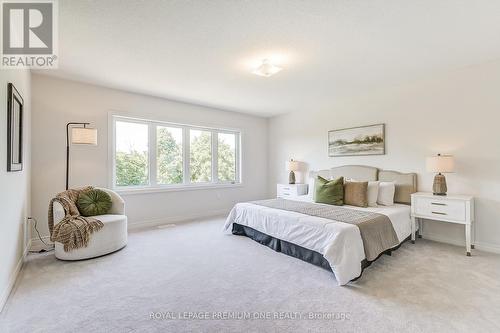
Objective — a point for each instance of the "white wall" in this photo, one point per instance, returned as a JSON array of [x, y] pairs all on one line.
[[457, 114], [15, 187], [57, 102]]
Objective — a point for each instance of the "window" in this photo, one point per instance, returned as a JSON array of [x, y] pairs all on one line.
[[226, 149], [154, 154], [132, 158], [200, 160], [169, 155]]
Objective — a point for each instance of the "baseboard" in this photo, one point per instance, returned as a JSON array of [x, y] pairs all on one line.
[[37, 244], [176, 219], [481, 246], [493, 248], [4, 296], [452, 241]]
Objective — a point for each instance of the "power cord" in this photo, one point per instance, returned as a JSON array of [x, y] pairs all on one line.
[[51, 246]]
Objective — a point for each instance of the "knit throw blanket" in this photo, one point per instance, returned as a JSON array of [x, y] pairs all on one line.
[[74, 230]]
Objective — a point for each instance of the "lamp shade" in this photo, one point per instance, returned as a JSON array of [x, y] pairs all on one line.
[[83, 136], [292, 165], [441, 163]]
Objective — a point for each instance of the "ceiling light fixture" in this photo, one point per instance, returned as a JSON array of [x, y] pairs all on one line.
[[266, 69]]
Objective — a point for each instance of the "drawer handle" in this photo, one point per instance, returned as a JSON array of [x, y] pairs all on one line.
[[286, 193], [439, 213], [286, 188], [438, 204]]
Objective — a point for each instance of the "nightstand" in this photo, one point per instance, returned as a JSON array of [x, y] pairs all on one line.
[[290, 190], [447, 208]]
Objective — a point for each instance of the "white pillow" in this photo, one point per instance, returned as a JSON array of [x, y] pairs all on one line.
[[386, 192], [372, 194], [373, 188], [310, 186]]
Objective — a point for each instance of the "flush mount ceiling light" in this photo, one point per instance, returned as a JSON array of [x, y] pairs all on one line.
[[266, 69]]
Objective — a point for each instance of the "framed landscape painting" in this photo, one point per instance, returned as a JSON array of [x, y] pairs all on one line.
[[14, 129], [356, 141]]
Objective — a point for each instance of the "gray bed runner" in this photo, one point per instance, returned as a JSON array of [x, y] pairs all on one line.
[[376, 229]]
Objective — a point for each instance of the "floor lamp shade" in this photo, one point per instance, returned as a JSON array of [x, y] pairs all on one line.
[[83, 136]]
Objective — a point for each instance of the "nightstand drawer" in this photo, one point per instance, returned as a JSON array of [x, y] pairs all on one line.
[[291, 190], [439, 208]]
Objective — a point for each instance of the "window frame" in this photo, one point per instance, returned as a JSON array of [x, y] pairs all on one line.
[[153, 185]]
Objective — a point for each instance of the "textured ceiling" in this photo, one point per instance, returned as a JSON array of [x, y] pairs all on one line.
[[202, 51]]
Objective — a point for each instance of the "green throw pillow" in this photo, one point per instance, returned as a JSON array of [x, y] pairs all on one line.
[[329, 191], [94, 202]]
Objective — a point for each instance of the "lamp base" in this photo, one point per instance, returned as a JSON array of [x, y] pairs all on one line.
[[291, 178], [439, 187]]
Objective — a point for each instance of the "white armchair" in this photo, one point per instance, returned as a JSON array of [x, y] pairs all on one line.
[[110, 238]]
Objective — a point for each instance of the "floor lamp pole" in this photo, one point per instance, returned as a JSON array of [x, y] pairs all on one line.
[[67, 149]]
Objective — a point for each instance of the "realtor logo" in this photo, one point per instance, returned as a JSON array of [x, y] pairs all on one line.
[[29, 34]]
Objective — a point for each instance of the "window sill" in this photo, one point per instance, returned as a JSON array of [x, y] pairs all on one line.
[[159, 189]]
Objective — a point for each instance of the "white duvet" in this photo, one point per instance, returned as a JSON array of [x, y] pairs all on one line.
[[340, 243]]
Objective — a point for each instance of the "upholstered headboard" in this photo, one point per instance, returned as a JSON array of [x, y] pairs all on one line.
[[360, 173], [406, 183]]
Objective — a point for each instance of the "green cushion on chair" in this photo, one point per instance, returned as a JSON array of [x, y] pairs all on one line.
[[94, 202]]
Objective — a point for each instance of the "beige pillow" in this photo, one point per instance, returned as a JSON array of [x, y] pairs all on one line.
[[356, 193]]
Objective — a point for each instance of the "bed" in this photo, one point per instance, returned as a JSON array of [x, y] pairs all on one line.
[[328, 243]]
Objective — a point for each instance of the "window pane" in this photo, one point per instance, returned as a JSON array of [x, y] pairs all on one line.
[[169, 155], [200, 151], [131, 154], [227, 157]]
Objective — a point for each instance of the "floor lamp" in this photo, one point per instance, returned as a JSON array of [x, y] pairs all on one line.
[[79, 136]]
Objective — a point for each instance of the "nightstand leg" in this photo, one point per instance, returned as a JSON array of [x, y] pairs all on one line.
[[468, 238], [420, 227], [413, 227], [473, 232]]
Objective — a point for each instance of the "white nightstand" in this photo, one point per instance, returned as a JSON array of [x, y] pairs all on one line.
[[290, 190], [449, 208]]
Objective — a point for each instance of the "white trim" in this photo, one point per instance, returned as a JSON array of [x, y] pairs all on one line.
[[37, 244], [176, 219], [175, 188], [5, 294], [486, 247], [440, 239]]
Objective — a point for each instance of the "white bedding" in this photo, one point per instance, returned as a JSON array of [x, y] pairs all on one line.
[[340, 243]]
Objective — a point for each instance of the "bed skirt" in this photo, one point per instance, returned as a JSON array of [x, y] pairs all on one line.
[[297, 251]]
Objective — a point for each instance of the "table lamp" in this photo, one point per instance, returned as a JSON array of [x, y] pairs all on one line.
[[292, 166], [440, 164]]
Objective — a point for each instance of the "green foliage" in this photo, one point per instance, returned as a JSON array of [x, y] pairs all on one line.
[[366, 139], [169, 158], [201, 158], [226, 162], [132, 167]]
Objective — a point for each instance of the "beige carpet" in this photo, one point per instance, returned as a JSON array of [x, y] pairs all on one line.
[[195, 269]]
